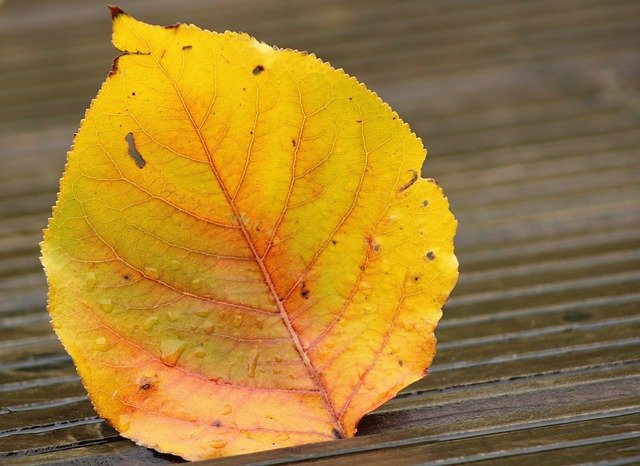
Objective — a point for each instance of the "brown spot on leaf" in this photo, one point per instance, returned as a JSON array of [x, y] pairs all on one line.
[[257, 70], [187, 47], [115, 11], [336, 433], [133, 151], [408, 184], [304, 291], [429, 256]]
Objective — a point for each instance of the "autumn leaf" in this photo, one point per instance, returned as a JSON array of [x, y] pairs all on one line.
[[243, 254]]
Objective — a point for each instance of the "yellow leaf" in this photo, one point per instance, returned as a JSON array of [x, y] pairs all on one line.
[[243, 255]]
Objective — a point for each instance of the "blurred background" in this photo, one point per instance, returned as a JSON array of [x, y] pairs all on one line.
[[530, 111]]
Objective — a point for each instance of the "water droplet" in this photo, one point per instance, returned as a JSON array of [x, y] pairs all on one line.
[[152, 272], [252, 368], [106, 305], [409, 327], [200, 352], [277, 371], [91, 281], [421, 232], [124, 422], [173, 316], [283, 437], [237, 321], [101, 344], [208, 327], [149, 323], [196, 284], [202, 312], [226, 410], [174, 264], [278, 358], [218, 444], [171, 350], [330, 344], [259, 324]]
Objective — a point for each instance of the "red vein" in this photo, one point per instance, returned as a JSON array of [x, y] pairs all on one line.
[[168, 285], [217, 381]]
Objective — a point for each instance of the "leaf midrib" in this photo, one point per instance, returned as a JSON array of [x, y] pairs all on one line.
[[267, 277]]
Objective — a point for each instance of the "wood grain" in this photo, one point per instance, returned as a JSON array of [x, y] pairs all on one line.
[[531, 114]]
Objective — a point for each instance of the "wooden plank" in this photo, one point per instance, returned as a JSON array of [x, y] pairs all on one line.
[[529, 110]]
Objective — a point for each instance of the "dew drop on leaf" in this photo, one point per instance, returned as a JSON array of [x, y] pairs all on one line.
[[101, 344], [91, 281], [200, 352], [171, 350], [150, 322], [106, 305], [152, 272]]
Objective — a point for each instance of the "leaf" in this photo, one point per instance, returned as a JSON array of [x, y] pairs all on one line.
[[243, 255]]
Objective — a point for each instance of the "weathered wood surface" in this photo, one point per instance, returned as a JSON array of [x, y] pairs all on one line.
[[531, 113]]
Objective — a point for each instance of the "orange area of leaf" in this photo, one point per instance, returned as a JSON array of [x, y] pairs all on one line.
[[243, 255]]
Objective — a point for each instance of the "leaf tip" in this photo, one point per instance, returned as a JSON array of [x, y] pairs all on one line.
[[116, 11]]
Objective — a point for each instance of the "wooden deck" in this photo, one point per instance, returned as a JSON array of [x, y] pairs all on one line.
[[531, 113]]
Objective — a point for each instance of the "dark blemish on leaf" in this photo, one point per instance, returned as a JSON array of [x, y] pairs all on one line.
[[304, 291], [257, 70], [293, 142], [187, 47], [429, 256], [400, 363], [334, 241], [217, 423], [133, 151], [425, 203], [376, 247], [416, 278], [133, 93], [126, 277], [361, 268], [350, 98], [336, 433], [244, 88], [393, 118], [358, 121], [114, 66], [115, 11], [408, 184], [173, 26], [145, 386], [250, 132]]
